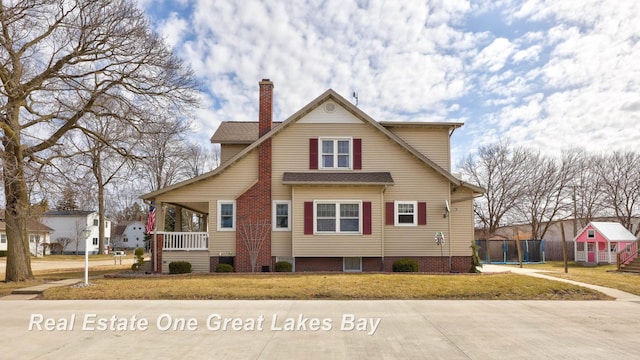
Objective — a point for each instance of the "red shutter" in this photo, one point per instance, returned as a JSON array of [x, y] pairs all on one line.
[[366, 218], [308, 217], [313, 154], [389, 217], [422, 213], [357, 154]]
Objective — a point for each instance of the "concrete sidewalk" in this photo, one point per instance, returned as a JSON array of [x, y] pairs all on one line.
[[319, 329], [615, 293], [32, 292]]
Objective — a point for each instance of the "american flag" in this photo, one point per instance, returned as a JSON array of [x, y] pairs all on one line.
[[151, 219]]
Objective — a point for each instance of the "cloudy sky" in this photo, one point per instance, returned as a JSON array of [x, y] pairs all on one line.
[[547, 74]]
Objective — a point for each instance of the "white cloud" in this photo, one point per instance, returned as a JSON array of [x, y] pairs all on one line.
[[546, 73]]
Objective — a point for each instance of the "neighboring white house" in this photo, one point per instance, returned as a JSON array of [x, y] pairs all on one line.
[[39, 236], [128, 235], [71, 225]]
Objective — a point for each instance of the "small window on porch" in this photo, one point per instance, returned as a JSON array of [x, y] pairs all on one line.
[[613, 247], [591, 234]]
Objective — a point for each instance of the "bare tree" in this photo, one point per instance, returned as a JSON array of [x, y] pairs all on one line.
[[586, 189], [62, 242], [253, 232], [59, 61], [497, 169], [201, 159], [619, 173], [105, 151], [545, 194]]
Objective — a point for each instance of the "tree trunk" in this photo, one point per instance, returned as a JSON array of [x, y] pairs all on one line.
[[17, 205]]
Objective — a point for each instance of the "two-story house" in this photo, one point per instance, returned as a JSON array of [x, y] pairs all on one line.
[[69, 230], [327, 189]]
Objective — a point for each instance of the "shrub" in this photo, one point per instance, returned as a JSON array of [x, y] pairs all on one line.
[[179, 267], [139, 260], [221, 268], [3, 253], [405, 265], [284, 266], [475, 259]]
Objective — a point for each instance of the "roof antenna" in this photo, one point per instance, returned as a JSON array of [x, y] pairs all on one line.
[[355, 96]]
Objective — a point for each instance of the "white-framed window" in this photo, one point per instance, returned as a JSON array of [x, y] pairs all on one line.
[[34, 238], [352, 264], [125, 240], [591, 234], [226, 215], [3, 238], [95, 241], [338, 217], [96, 222], [281, 215], [335, 153], [406, 213]]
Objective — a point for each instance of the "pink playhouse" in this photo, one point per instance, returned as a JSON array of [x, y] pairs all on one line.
[[600, 242]]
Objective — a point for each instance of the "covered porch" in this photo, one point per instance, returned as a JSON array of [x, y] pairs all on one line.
[[599, 252], [181, 234]]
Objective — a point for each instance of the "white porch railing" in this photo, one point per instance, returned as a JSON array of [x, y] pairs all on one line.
[[185, 240]]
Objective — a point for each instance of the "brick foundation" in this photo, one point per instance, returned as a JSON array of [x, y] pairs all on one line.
[[433, 264], [157, 266]]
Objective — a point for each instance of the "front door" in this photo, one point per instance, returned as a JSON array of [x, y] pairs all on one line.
[[591, 252]]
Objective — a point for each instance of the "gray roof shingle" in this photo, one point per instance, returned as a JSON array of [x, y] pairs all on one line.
[[345, 178]]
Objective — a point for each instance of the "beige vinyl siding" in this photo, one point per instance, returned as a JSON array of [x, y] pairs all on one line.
[[461, 222], [199, 260], [281, 243], [413, 181], [432, 142], [226, 186], [337, 245], [227, 151]]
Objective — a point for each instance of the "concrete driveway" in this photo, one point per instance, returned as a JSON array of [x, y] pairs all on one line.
[[319, 329]]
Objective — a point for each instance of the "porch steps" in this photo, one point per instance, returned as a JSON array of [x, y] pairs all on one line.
[[633, 266]]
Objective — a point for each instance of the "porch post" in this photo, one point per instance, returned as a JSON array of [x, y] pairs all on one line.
[[575, 251], [178, 225]]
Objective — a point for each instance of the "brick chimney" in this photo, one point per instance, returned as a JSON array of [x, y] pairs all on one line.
[[254, 205], [265, 112]]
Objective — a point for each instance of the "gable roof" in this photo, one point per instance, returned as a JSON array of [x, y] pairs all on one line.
[[612, 231], [68, 213], [33, 225], [347, 105]]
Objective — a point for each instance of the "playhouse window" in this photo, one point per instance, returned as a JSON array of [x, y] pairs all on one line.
[[591, 234]]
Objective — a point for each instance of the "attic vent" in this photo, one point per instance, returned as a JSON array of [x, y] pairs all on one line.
[[329, 107]]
